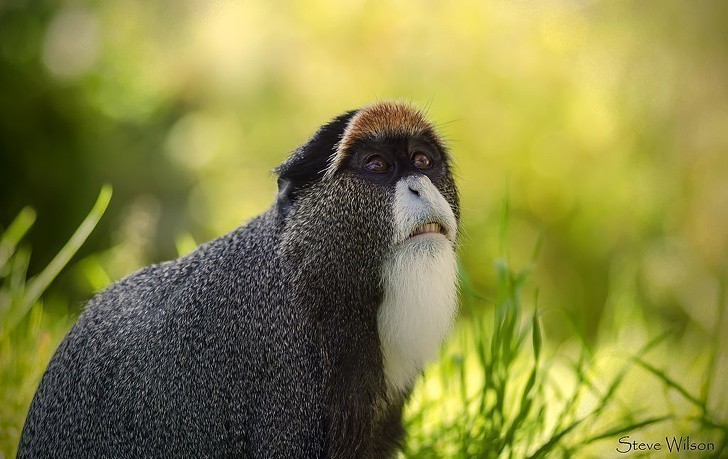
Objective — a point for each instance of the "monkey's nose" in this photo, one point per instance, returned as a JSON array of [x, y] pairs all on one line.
[[414, 184]]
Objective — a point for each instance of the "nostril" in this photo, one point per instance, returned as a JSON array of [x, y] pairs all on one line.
[[414, 190]]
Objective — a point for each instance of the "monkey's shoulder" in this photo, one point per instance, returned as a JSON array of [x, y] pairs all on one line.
[[231, 279]]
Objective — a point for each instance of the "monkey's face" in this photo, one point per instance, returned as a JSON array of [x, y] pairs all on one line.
[[415, 172], [382, 170]]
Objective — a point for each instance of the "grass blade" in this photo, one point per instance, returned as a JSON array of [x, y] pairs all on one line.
[[549, 445], [669, 382], [627, 428], [537, 338], [15, 232], [40, 283]]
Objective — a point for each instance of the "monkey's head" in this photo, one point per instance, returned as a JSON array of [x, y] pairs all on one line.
[[399, 163], [369, 214]]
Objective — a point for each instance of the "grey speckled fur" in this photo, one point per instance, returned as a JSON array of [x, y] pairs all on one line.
[[262, 343]]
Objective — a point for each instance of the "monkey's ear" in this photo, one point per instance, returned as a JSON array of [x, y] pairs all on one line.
[[308, 163]]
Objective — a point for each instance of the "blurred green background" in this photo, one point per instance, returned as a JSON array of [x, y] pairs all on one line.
[[604, 123]]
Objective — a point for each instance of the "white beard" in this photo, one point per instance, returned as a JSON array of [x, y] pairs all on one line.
[[420, 289]]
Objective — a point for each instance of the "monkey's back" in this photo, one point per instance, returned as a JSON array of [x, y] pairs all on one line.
[[186, 358]]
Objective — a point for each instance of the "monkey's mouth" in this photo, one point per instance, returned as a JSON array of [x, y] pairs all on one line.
[[428, 228]]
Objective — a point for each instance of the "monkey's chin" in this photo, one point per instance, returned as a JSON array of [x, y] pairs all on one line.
[[424, 246], [429, 241], [418, 308]]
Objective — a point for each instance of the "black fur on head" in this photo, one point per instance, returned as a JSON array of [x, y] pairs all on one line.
[[308, 163]]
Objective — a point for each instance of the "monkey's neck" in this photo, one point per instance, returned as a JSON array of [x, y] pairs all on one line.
[[418, 310]]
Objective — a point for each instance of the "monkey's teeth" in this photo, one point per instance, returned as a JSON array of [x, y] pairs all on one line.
[[428, 228]]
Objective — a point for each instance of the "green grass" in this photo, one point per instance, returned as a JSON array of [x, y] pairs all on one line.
[[500, 390], [496, 394]]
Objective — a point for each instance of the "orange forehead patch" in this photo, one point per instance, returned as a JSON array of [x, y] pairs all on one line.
[[382, 120]]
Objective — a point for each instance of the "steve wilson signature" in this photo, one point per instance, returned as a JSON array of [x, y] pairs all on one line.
[[673, 444]]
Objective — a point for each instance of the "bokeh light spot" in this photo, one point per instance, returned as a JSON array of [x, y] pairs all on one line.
[[72, 43]]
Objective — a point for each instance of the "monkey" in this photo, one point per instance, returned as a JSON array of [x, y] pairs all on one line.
[[299, 334]]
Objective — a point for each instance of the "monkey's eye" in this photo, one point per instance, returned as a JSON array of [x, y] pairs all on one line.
[[376, 163], [421, 160]]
